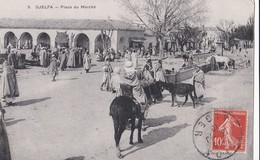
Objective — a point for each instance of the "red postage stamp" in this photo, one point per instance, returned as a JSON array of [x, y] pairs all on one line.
[[230, 130]]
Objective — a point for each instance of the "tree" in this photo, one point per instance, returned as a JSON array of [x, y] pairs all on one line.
[[187, 33], [250, 28], [106, 36], [163, 16], [226, 28]]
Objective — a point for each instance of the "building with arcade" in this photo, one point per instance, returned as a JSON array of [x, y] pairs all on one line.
[[24, 34]]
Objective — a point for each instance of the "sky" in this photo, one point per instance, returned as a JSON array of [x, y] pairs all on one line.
[[237, 10]]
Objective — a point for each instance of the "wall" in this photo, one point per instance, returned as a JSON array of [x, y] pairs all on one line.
[[149, 39], [92, 34], [126, 35]]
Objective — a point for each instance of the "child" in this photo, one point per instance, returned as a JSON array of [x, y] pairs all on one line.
[[53, 68]]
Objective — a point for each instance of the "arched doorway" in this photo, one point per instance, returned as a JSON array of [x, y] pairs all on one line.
[[44, 40], [10, 38], [99, 42], [82, 40], [26, 41]]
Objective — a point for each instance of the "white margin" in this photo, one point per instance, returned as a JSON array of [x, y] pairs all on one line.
[[256, 83]]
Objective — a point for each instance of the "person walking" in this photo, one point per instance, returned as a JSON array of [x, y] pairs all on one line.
[[199, 83], [53, 68], [107, 70], [86, 62], [9, 84]]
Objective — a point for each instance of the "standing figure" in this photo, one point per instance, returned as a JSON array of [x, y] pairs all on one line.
[[80, 57], [128, 56], [134, 59], [9, 84], [12, 58], [71, 61], [158, 72], [116, 81], [199, 83], [63, 59], [53, 68], [226, 128], [107, 70], [43, 55], [87, 62]]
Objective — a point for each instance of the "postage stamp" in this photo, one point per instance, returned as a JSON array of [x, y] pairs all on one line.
[[221, 133], [230, 126]]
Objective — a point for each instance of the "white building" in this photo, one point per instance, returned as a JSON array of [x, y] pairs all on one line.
[[23, 34]]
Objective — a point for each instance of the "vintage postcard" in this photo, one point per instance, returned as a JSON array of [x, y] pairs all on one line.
[[129, 79]]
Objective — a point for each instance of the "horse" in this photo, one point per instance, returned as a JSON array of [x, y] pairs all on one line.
[[223, 59]]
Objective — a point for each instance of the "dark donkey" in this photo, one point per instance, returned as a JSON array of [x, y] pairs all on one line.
[[122, 109], [180, 89], [153, 92]]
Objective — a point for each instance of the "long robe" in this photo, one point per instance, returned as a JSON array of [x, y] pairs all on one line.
[[107, 70], [71, 59], [43, 57], [87, 62], [9, 82], [12, 59], [63, 61], [199, 83], [115, 84], [53, 68], [134, 59], [159, 73], [131, 78]]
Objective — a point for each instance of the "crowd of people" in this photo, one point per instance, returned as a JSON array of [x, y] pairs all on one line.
[[68, 57], [138, 76], [132, 73]]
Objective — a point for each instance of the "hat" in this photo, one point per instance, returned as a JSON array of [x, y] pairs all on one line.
[[129, 66]]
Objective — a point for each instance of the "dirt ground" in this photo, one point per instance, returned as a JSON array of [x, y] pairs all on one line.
[[70, 117]]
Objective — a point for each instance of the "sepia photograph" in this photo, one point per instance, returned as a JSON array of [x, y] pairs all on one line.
[[129, 79]]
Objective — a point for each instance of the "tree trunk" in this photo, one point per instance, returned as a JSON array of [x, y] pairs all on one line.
[[160, 47]]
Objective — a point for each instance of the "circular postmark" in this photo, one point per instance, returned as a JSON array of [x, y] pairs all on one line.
[[217, 135]]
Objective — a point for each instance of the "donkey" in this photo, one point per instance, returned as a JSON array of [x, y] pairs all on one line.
[[123, 109], [180, 89]]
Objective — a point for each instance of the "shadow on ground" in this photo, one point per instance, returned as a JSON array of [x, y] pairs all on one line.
[[31, 101], [208, 99], [76, 158], [154, 122], [67, 79], [156, 136], [10, 121]]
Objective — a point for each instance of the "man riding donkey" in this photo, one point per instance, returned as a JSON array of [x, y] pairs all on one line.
[[131, 78]]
